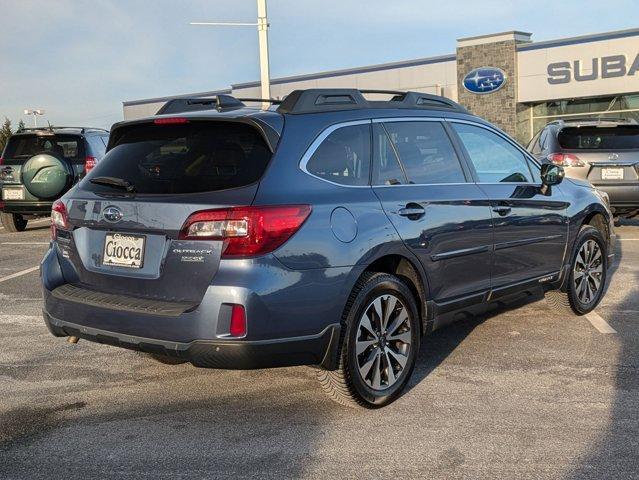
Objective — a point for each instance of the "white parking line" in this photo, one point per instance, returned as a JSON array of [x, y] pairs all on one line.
[[24, 243], [628, 239], [31, 222], [22, 319], [18, 274], [599, 323]]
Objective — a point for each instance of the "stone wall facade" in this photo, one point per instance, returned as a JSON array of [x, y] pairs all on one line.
[[498, 107]]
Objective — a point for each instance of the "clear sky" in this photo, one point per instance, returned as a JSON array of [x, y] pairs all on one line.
[[79, 59]]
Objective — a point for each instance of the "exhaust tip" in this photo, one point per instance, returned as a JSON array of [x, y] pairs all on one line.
[[72, 339]]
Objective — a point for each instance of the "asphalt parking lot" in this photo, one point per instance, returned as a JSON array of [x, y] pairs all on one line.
[[519, 394]]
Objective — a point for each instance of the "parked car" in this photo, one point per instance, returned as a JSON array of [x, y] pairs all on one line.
[[603, 151], [331, 231], [39, 165]]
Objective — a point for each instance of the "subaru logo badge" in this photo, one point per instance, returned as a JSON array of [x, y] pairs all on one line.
[[484, 80], [613, 156], [112, 214]]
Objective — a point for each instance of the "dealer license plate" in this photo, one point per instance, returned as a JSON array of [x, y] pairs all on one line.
[[123, 250], [12, 194], [612, 173]]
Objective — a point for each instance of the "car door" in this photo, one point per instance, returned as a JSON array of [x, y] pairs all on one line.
[[530, 222], [442, 216]]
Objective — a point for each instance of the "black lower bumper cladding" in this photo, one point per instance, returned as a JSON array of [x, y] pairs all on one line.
[[320, 349]]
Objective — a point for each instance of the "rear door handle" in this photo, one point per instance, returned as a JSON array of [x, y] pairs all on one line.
[[502, 210], [413, 211]]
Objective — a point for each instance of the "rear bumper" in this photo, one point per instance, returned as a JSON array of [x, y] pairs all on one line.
[[225, 354], [623, 195], [26, 208], [293, 317]]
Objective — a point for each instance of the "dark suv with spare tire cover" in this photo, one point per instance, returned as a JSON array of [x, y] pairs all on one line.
[[39, 165]]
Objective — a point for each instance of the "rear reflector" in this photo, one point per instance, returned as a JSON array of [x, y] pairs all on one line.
[[170, 121], [59, 218], [238, 321], [246, 231]]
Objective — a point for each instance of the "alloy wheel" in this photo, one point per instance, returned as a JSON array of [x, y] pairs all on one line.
[[588, 271], [383, 342]]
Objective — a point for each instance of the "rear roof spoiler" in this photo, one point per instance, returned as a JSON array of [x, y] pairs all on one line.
[[221, 103]]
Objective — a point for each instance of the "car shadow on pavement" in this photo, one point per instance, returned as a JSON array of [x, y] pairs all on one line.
[[615, 455]]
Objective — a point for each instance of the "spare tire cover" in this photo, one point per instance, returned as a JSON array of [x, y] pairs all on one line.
[[46, 176]]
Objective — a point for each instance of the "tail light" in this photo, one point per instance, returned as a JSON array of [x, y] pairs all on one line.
[[59, 218], [565, 160], [238, 321], [1, 160], [89, 163], [246, 231]]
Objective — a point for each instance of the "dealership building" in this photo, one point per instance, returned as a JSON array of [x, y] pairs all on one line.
[[512, 81]]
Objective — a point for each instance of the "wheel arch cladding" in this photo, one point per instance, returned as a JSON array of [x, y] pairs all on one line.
[[410, 274]]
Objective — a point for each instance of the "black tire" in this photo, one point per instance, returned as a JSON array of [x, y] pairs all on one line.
[[345, 385], [616, 221], [13, 222], [567, 299], [165, 359]]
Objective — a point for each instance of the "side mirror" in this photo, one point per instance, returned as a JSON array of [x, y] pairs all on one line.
[[552, 174]]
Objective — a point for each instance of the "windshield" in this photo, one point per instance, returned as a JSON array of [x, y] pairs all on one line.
[[23, 147], [623, 137], [185, 158]]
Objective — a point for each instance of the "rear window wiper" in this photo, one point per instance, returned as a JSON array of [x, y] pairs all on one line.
[[114, 182]]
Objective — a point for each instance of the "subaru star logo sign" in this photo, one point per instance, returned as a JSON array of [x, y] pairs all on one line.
[[484, 80], [112, 214]]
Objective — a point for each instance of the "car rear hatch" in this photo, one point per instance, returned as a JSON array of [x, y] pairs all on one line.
[[611, 153], [128, 241], [22, 147]]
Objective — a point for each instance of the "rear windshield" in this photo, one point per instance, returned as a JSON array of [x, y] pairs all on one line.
[[190, 158], [23, 147], [600, 138]]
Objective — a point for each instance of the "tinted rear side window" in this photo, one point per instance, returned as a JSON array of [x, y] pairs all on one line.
[[599, 138], [344, 156], [97, 146], [425, 152], [22, 147], [189, 158]]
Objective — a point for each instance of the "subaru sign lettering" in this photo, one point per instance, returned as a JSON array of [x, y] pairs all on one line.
[[484, 80], [604, 67]]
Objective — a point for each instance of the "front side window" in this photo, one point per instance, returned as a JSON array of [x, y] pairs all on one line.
[[495, 159], [426, 153], [344, 156]]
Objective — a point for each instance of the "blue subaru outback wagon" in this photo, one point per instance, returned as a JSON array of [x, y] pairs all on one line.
[[332, 230]]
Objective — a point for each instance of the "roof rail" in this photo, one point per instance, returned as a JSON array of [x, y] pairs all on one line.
[[317, 100], [600, 118], [50, 128]]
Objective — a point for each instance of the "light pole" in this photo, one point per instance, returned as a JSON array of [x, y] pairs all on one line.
[[35, 114], [262, 35]]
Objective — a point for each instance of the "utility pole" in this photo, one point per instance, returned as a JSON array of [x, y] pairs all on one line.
[[35, 113], [262, 35]]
